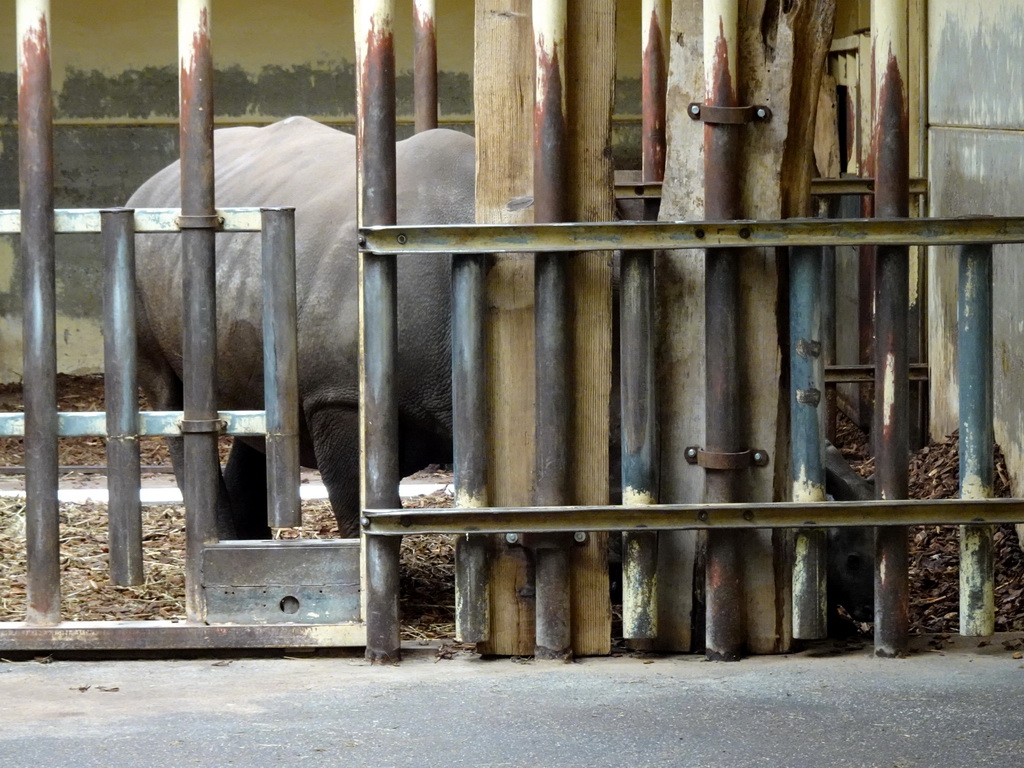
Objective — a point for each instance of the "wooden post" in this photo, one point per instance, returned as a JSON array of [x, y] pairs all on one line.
[[785, 76], [504, 71]]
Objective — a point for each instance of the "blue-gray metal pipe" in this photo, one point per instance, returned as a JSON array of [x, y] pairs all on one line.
[[974, 363], [121, 388], [469, 417], [639, 442], [280, 368], [39, 295], [807, 402]]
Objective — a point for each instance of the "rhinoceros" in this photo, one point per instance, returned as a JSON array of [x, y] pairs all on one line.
[[298, 162]]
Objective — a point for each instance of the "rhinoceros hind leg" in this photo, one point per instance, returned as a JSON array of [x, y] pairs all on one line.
[[335, 433], [245, 481]]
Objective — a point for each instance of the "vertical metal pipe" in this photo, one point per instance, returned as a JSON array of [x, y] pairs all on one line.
[[829, 209], [280, 368], [725, 632], [974, 350], [424, 65], [807, 377], [553, 320], [375, 137], [654, 82], [120, 382], [639, 443], [891, 152], [35, 158], [636, 301], [469, 413], [202, 465]]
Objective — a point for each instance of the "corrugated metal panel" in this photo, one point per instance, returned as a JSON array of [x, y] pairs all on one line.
[[980, 172], [976, 71]]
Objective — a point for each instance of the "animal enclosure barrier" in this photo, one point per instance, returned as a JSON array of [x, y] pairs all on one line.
[[974, 510], [238, 594]]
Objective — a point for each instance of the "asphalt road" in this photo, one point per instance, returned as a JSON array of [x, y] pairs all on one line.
[[952, 708]]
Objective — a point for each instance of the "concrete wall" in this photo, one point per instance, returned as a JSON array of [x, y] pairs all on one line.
[[976, 166], [115, 86]]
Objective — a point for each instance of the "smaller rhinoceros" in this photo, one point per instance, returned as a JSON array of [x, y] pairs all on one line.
[[298, 162]]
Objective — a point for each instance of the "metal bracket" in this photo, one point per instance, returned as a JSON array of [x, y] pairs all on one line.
[[201, 426], [710, 460], [199, 222], [706, 113]]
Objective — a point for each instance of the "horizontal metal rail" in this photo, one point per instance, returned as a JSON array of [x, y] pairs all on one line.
[[667, 517], [147, 220], [849, 374], [651, 190], [171, 635], [153, 423], [640, 235]]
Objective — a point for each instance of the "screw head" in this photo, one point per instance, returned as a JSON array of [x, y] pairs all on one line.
[[695, 109], [402, 239], [691, 453], [761, 112], [512, 538], [579, 537], [365, 522]]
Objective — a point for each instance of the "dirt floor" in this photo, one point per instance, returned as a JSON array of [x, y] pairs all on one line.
[[427, 562]]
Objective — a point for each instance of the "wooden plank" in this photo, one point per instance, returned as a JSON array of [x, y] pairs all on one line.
[[504, 106], [503, 77], [590, 69], [781, 62]]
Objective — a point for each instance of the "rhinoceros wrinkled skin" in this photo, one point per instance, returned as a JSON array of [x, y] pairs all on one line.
[[298, 162]]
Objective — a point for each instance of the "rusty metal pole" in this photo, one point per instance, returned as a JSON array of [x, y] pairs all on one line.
[[891, 425], [639, 405], [281, 368], [469, 418], [35, 158], [424, 73], [121, 390], [974, 364], [378, 310], [725, 629], [553, 327], [199, 423]]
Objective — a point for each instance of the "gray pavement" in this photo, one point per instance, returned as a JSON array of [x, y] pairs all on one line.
[[955, 708]]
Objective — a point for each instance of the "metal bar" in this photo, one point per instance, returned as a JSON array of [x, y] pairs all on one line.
[[974, 363], [168, 635], [121, 388], [890, 143], [424, 65], [469, 418], [35, 156], [654, 82], [807, 403], [664, 235], [375, 141], [639, 442], [636, 302], [153, 423], [280, 368], [674, 517], [68, 221], [843, 374], [552, 323], [651, 189], [202, 465], [725, 635]]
